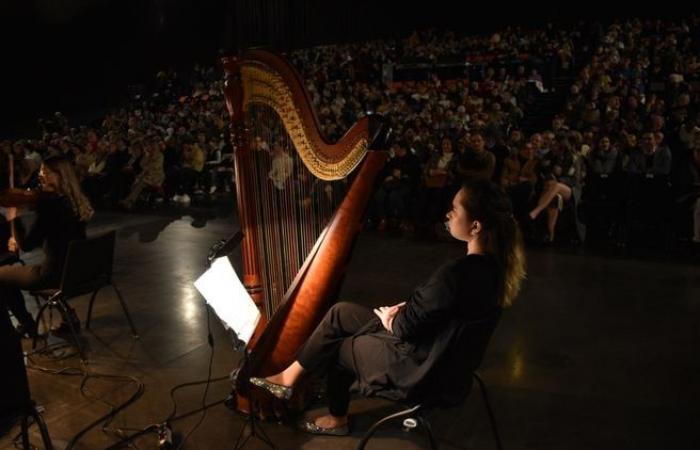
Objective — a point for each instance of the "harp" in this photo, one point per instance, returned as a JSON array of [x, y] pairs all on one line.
[[300, 200]]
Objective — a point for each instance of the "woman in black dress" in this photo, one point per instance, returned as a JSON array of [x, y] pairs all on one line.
[[392, 349], [61, 216]]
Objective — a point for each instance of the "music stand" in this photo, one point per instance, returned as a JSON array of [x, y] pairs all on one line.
[[224, 292]]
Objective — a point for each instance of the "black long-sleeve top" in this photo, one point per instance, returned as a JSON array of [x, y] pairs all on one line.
[[460, 291], [55, 226], [463, 288]]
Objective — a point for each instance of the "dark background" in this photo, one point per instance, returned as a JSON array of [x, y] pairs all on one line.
[[80, 55]]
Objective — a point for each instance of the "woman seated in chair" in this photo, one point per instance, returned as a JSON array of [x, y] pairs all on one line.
[[560, 179], [61, 215], [391, 350]]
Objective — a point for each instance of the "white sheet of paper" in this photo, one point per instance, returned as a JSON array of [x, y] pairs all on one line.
[[224, 291]]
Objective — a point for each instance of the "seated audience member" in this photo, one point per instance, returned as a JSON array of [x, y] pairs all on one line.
[[117, 160], [125, 176], [651, 161], [649, 168], [559, 181], [192, 166], [496, 146], [440, 181], [603, 159], [93, 182], [519, 178], [477, 162], [603, 194], [400, 183], [152, 174]]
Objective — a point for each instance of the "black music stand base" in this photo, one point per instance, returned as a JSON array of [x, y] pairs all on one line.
[[256, 431]]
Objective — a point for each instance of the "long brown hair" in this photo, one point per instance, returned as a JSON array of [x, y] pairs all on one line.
[[69, 186], [487, 203]]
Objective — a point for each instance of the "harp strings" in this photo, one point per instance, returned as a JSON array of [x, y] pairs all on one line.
[[292, 206]]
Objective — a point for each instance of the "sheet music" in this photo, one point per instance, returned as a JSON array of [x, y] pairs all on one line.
[[227, 296]]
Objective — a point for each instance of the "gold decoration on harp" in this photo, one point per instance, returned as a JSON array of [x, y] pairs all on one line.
[[267, 88]]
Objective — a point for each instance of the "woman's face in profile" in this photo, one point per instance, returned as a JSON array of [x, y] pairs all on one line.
[[49, 179], [458, 222]]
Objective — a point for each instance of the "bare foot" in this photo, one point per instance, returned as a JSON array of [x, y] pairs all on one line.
[[278, 379], [329, 421]]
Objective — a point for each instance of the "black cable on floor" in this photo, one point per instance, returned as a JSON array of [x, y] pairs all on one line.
[[87, 375], [151, 428], [107, 418], [210, 340], [172, 417]]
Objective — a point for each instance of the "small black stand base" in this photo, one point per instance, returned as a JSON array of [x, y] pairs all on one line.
[[256, 431]]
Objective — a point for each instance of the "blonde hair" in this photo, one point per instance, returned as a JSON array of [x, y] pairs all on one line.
[[488, 204], [69, 186]]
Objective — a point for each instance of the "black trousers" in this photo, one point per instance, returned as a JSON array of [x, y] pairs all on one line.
[[15, 278], [330, 350]]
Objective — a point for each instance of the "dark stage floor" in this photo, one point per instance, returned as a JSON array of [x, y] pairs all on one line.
[[598, 352]]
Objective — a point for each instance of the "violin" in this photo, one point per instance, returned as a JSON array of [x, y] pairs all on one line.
[[16, 197]]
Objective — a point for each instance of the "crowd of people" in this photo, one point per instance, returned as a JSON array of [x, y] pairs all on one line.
[[624, 151], [625, 147], [169, 142]]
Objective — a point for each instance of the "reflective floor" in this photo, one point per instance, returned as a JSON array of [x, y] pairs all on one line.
[[597, 353]]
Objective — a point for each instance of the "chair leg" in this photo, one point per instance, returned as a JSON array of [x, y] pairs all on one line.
[[43, 429], [38, 307], [39, 316], [487, 403], [407, 412], [429, 432], [26, 445], [63, 309], [89, 314], [134, 333]]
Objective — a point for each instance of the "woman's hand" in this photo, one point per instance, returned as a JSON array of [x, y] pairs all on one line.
[[387, 313], [12, 245]]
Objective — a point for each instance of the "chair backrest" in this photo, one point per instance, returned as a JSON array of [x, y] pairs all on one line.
[[450, 381], [88, 264]]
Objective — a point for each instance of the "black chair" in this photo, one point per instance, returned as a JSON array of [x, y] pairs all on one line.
[[87, 269], [470, 342]]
